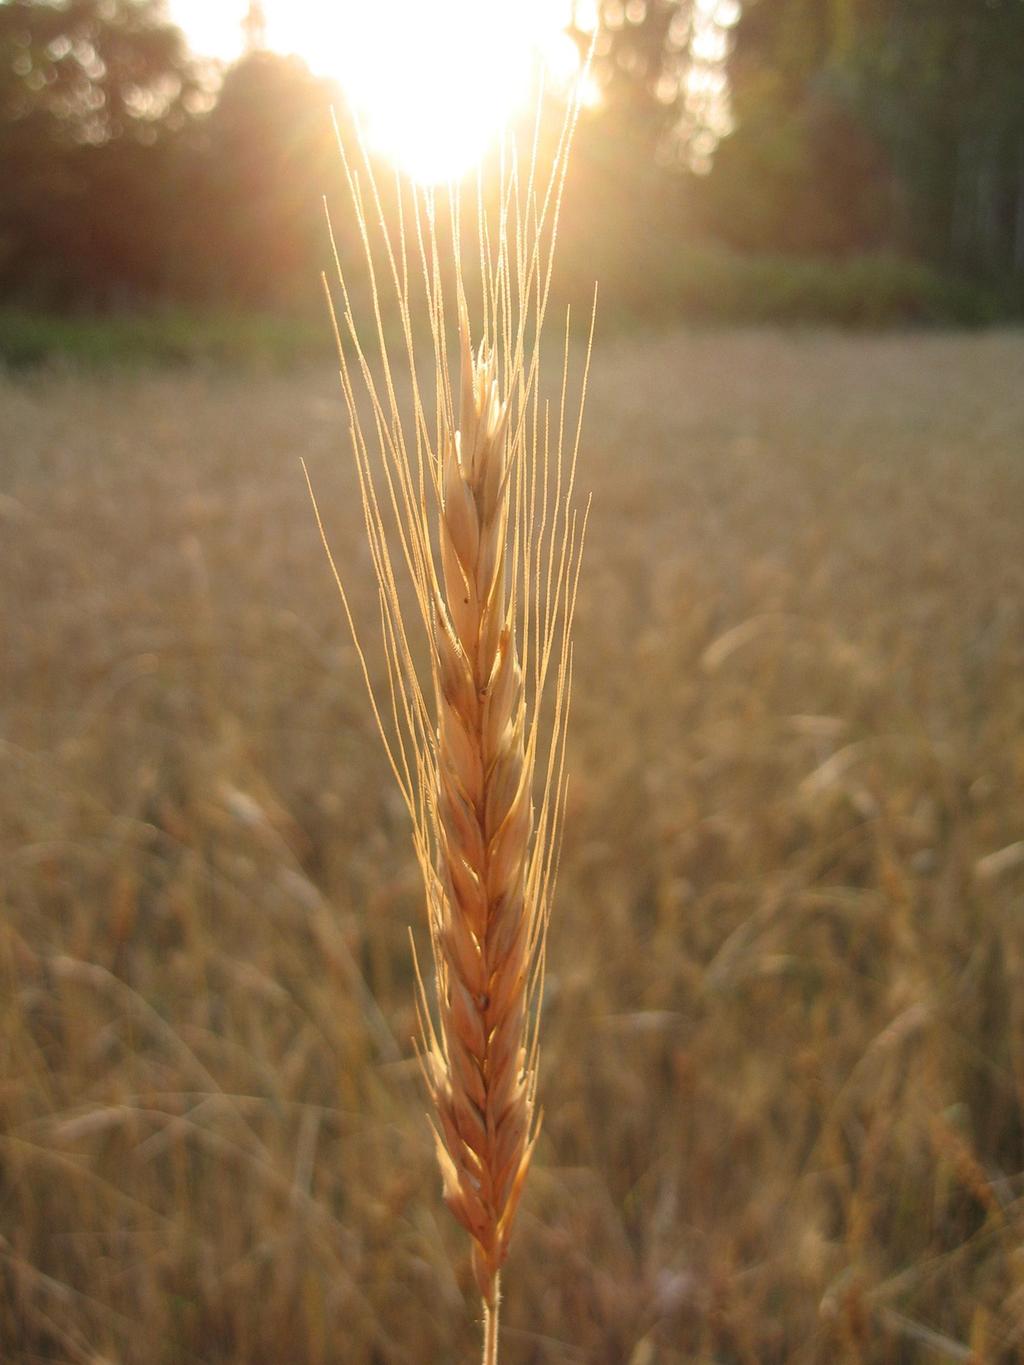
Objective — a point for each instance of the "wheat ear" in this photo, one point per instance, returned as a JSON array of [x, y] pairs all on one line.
[[479, 1075], [472, 512]]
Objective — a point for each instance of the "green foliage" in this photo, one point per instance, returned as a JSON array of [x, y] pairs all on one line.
[[31, 339], [802, 180], [939, 85], [716, 285], [94, 98], [864, 291], [702, 285], [92, 71], [878, 124]]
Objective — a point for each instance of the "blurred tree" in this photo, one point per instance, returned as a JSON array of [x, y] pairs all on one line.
[[94, 97], [93, 70], [829, 126], [661, 69], [621, 196], [799, 173], [639, 63], [940, 83], [267, 157], [877, 123]]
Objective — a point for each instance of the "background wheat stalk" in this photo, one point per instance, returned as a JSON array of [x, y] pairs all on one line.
[[476, 547]]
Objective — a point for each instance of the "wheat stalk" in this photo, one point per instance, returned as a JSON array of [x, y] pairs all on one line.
[[472, 511]]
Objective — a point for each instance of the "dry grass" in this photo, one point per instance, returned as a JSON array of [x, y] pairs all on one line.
[[783, 1010]]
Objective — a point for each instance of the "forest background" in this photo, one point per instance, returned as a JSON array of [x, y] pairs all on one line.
[[849, 161]]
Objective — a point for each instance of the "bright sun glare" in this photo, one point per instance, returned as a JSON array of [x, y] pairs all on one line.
[[433, 83], [436, 88]]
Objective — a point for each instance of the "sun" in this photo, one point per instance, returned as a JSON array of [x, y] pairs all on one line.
[[434, 84]]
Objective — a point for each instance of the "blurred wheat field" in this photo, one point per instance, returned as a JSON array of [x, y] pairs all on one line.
[[783, 1077]]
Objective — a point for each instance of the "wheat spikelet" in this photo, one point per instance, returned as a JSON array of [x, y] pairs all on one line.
[[478, 1071], [472, 511]]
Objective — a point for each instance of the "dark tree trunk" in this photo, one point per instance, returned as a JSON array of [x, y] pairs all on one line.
[[1018, 227]]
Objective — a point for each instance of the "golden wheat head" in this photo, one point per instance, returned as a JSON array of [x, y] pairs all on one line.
[[475, 546]]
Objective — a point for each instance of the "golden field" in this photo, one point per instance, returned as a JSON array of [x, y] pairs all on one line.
[[783, 1068]]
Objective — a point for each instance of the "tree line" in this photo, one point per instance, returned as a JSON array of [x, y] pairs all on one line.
[[132, 174], [879, 123]]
